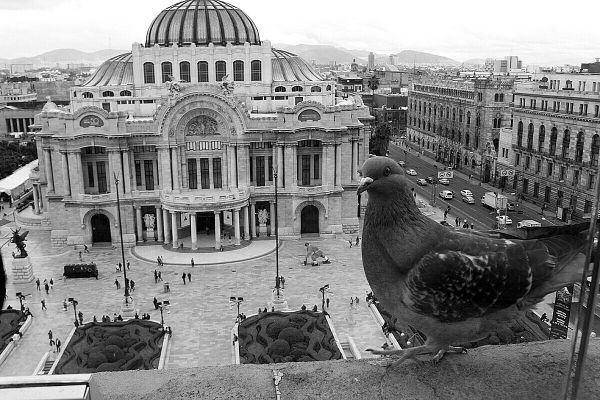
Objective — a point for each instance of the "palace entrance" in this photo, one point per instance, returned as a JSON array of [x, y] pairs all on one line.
[[100, 229], [309, 220]]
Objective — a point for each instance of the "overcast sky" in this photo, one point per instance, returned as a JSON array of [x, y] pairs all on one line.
[[541, 33]]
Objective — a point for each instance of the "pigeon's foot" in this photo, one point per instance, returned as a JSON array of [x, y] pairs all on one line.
[[404, 354], [450, 349]]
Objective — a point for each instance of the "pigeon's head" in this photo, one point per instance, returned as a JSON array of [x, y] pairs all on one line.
[[379, 175]]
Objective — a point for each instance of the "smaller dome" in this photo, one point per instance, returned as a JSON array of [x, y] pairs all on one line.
[[115, 71], [288, 67]]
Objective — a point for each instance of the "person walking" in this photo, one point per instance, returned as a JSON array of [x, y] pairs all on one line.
[[456, 221], [189, 275], [327, 302], [120, 267], [128, 266], [58, 344], [80, 258], [159, 276], [43, 305], [37, 283], [47, 288], [132, 285], [282, 282], [155, 302], [158, 260], [351, 301], [183, 277], [51, 284], [192, 263], [85, 249], [117, 284], [155, 276], [80, 315]]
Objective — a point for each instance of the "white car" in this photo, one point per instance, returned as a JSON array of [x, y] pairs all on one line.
[[444, 181], [447, 194], [401, 163], [411, 171], [466, 193], [468, 199], [504, 220]]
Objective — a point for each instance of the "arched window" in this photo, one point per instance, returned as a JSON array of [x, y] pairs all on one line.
[[184, 72], [459, 136], [279, 89], [149, 73], [328, 88], [496, 97], [477, 120], [467, 140], [553, 140], [468, 119], [315, 89], [435, 110], [220, 70], [460, 115], [238, 71], [202, 71], [87, 95], [595, 150], [541, 138], [453, 134], [167, 71], [501, 97], [447, 112], [428, 125], [255, 71], [453, 114], [125, 93], [565, 144], [108, 93], [579, 147], [520, 134], [530, 137], [419, 107], [296, 88]]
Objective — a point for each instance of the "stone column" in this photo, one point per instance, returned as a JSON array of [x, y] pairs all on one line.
[[232, 166], [65, 173], [159, 223], [165, 214], [49, 172], [243, 165], [211, 181], [36, 199], [175, 168], [217, 229], [354, 175], [75, 177], [291, 181], [183, 172], [253, 220], [165, 168], [193, 231], [272, 214], [338, 165], [279, 166], [236, 225], [224, 168], [246, 223], [174, 228], [138, 221], [126, 170]]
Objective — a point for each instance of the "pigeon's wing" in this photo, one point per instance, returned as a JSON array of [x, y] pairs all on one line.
[[468, 276]]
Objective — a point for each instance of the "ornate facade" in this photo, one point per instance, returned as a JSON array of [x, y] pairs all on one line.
[[194, 129], [458, 122]]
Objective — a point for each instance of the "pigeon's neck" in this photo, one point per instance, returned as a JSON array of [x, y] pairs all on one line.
[[399, 210]]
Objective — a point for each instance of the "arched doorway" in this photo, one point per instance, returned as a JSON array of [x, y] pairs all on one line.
[[309, 219], [100, 228]]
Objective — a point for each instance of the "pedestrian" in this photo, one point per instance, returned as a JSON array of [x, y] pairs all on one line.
[[457, 221], [189, 275], [43, 304], [80, 315], [117, 284], [192, 262], [65, 305], [37, 283], [327, 302], [58, 344], [85, 248], [128, 266], [159, 276], [472, 226], [51, 283], [357, 241], [448, 209], [465, 224], [351, 301], [115, 319], [445, 215], [155, 276], [158, 260], [155, 302], [350, 242], [80, 258], [315, 309], [282, 282], [183, 277], [303, 308], [47, 288], [221, 248], [230, 239], [120, 267], [356, 300], [50, 338], [95, 319], [132, 285]]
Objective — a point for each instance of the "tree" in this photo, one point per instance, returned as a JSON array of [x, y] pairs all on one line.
[[380, 140]]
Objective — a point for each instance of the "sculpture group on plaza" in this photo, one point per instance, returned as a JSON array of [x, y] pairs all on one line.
[[315, 253], [19, 240]]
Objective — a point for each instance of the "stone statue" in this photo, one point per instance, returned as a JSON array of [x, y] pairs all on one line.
[[358, 100], [173, 86], [19, 241], [263, 216], [149, 221], [227, 85]]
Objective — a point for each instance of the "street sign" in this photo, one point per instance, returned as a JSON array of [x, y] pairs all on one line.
[[507, 172], [445, 174]]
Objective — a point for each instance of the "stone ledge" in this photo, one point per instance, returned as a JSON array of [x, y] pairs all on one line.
[[523, 371]]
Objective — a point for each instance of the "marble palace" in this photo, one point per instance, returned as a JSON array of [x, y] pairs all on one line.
[[195, 127]]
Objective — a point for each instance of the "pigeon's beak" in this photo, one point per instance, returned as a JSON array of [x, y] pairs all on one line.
[[364, 184]]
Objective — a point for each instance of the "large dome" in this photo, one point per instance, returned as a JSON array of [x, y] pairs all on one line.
[[201, 22]]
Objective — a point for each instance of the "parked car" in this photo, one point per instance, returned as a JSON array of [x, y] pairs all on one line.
[[510, 206], [447, 194], [468, 199], [466, 193], [430, 179], [504, 220], [411, 171], [445, 223], [528, 223], [444, 181], [421, 182], [401, 163]]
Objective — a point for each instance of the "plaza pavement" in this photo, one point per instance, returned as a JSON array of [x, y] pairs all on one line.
[[200, 313]]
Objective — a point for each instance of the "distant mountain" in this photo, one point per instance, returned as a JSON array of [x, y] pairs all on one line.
[[321, 54], [474, 61], [411, 57], [62, 57]]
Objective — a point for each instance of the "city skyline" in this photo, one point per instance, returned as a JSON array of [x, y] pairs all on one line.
[[457, 32]]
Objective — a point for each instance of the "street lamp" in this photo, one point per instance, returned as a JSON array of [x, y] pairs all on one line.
[[128, 308], [74, 302], [277, 279], [161, 305], [238, 301], [322, 289]]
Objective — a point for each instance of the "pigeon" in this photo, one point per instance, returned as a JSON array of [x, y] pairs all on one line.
[[453, 285]]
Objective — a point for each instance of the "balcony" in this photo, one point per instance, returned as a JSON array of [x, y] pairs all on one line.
[[206, 200], [96, 198]]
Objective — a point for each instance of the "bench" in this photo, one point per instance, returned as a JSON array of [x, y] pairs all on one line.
[[80, 271]]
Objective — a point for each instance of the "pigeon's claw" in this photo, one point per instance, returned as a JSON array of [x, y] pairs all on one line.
[[450, 349]]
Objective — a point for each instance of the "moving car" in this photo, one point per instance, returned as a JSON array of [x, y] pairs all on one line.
[[504, 220], [430, 179], [466, 193], [444, 181], [421, 182], [528, 223], [411, 172], [447, 194], [510, 206], [468, 199], [401, 163]]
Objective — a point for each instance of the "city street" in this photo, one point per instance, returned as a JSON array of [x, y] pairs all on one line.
[[482, 217]]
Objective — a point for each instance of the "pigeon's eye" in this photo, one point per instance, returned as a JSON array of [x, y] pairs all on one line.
[[387, 171]]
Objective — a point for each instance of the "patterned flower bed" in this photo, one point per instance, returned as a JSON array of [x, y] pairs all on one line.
[[10, 322], [112, 346], [285, 337]]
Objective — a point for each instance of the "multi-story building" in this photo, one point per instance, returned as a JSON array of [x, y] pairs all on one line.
[[391, 108], [459, 122], [371, 62], [556, 142], [195, 128]]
